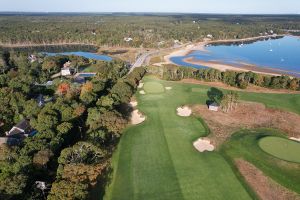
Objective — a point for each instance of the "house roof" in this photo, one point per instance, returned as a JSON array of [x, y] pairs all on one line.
[[214, 104], [23, 125]]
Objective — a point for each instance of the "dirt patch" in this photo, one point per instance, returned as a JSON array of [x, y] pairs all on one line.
[[184, 111], [137, 117], [203, 144], [264, 187], [168, 88], [250, 88], [247, 115]]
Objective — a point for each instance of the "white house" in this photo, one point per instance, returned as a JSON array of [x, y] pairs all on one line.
[[209, 36], [213, 107], [66, 71], [128, 39]]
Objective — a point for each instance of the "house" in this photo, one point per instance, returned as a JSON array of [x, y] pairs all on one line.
[[128, 39], [67, 70], [21, 130], [209, 36], [213, 107], [32, 58]]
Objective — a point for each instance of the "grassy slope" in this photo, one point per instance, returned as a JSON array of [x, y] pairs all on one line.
[[244, 144], [156, 160]]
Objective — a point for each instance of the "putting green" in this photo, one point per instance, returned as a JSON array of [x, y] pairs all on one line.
[[281, 148], [153, 88]]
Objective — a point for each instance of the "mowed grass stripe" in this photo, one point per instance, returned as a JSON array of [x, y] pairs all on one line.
[[153, 161], [150, 161], [201, 176]]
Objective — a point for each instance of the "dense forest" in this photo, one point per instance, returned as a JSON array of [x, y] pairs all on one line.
[[76, 131], [233, 78], [144, 30]]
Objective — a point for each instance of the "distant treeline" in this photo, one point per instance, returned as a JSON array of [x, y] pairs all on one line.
[[50, 48], [145, 30], [232, 78]]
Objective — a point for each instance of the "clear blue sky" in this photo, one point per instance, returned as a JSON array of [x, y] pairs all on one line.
[[195, 6]]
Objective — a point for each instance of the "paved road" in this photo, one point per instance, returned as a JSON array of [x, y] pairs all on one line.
[[141, 60]]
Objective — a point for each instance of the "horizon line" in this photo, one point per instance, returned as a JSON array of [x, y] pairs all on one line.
[[141, 12]]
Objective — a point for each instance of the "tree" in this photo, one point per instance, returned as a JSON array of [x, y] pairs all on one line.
[[66, 190], [229, 101], [215, 95], [294, 84], [63, 88]]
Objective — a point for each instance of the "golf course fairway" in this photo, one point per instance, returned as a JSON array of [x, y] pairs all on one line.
[[281, 148], [157, 160]]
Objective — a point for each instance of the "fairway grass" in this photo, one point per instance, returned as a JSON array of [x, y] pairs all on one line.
[[281, 148], [154, 88], [157, 160]]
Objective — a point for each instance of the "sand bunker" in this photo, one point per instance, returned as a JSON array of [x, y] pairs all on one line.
[[142, 92], [184, 111], [168, 88], [141, 85], [203, 144], [137, 117], [133, 103], [295, 139]]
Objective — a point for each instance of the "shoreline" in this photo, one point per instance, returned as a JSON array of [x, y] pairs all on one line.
[[223, 66], [244, 67]]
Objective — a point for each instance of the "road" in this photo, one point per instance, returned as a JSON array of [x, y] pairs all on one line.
[[142, 59], [146, 56]]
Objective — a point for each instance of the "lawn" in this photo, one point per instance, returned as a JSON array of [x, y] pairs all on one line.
[[156, 160], [245, 144]]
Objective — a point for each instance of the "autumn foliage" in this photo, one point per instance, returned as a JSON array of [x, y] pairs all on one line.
[[63, 88]]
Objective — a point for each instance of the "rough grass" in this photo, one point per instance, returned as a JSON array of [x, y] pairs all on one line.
[[281, 148], [244, 145], [156, 160]]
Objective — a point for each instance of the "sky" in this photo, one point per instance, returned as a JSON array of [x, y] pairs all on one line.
[[182, 6]]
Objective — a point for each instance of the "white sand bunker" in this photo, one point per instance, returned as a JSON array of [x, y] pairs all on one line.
[[295, 139], [142, 92], [168, 88], [133, 103], [141, 85], [137, 117], [203, 144], [184, 111]]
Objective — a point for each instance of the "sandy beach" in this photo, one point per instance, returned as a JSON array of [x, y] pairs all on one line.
[[219, 65], [243, 67]]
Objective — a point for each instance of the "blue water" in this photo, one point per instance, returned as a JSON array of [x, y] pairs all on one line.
[[84, 54], [278, 54]]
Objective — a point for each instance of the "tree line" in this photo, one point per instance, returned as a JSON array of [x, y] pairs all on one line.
[[232, 78], [77, 131], [146, 31]]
